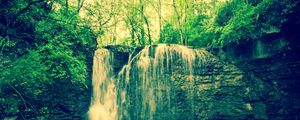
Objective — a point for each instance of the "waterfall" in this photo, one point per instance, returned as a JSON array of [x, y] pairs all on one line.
[[103, 104], [146, 83], [144, 89]]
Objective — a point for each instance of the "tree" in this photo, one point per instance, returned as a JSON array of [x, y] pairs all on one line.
[[41, 46], [145, 20], [182, 41], [100, 16]]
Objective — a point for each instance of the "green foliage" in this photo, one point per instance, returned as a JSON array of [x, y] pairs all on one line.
[[40, 47], [63, 53], [170, 35], [63, 64], [197, 31], [224, 14], [241, 26], [249, 21], [26, 70], [17, 25], [234, 21]]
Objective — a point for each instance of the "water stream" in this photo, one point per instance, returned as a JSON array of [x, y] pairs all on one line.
[[144, 88], [103, 104]]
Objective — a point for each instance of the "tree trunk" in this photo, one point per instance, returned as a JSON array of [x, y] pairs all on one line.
[[179, 23], [79, 5], [148, 30], [67, 5], [131, 30], [146, 22], [185, 21], [159, 18]]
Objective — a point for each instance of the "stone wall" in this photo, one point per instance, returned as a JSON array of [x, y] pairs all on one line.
[[258, 80], [217, 90], [233, 84], [273, 64]]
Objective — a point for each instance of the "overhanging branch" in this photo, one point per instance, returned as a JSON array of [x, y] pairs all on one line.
[[22, 11]]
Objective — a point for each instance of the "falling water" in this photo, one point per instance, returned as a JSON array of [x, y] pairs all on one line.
[[103, 105], [144, 89], [145, 84]]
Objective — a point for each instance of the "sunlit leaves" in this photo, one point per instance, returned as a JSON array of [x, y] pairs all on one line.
[[26, 70], [241, 21], [170, 35]]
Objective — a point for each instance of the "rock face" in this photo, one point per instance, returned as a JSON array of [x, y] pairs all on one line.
[[69, 101], [236, 82], [216, 89], [61, 100], [273, 67]]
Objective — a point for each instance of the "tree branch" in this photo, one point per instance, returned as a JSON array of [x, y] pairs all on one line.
[[20, 95], [22, 11], [22, 98], [80, 4]]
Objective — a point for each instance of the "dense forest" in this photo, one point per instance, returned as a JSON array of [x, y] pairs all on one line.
[[43, 42]]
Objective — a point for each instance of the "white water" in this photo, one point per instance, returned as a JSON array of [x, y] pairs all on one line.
[[103, 104], [143, 89], [149, 77]]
